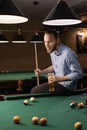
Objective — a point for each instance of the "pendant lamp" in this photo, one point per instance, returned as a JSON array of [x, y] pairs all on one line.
[[10, 13], [19, 38], [61, 15], [3, 38]]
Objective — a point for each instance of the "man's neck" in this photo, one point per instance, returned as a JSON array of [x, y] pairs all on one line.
[[56, 49]]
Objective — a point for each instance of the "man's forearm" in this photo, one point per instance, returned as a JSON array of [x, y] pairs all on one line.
[[62, 78], [48, 70]]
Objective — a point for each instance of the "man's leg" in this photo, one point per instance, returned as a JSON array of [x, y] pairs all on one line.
[[59, 89], [41, 88], [63, 91]]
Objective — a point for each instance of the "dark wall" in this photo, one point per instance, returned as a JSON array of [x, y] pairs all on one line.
[[21, 57], [15, 57]]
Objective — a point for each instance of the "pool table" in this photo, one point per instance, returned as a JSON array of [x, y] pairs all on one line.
[[19, 76], [57, 110]]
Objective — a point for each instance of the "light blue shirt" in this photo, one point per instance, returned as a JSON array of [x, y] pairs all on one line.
[[65, 63]]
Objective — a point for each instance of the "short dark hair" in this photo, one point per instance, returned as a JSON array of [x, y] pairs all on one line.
[[50, 31]]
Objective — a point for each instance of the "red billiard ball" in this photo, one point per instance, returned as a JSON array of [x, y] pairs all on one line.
[[81, 105], [78, 125], [16, 119], [43, 121], [35, 120]]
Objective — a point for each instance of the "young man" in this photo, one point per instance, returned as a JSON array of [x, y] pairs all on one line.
[[65, 66]]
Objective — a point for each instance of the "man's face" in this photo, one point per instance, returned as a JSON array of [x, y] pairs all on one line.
[[50, 42]]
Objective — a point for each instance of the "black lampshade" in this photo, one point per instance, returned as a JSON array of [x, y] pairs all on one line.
[[61, 15], [3, 38], [10, 13], [36, 39], [19, 38]]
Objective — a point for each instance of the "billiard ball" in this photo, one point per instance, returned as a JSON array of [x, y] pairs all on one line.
[[78, 125], [16, 119], [26, 102], [35, 120], [43, 121], [32, 99], [81, 105], [73, 104]]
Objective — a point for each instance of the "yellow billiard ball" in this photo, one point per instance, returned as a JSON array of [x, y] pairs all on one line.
[[16, 119], [35, 120], [78, 125]]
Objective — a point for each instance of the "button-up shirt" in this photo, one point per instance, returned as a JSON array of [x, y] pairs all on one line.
[[65, 63]]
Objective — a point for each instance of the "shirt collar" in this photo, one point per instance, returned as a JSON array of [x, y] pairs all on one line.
[[59, 51]]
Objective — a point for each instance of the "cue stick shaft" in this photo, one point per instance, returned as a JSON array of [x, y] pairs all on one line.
[[36, 60]]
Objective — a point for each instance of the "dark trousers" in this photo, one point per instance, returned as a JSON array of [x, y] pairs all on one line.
[[59, 89]]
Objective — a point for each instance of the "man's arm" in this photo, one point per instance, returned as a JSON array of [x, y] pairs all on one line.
[[48, 70], [54, 78], [39, 72]]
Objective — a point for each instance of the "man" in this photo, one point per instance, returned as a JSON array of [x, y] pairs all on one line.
[[64, 64]]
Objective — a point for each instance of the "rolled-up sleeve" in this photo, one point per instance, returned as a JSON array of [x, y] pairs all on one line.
[[65, 63], [74, 66]]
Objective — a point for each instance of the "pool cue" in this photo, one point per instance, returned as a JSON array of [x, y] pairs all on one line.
[[36, 61]]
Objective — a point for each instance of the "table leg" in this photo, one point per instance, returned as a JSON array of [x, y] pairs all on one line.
[[19, 88]]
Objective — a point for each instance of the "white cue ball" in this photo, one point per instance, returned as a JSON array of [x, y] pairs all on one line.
[[32, 99], [26, 102]]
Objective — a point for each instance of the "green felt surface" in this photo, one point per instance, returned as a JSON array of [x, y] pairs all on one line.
[[21, 75], [56, 109], [17, 75]]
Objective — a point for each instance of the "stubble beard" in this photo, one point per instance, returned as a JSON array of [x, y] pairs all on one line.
[[51, 49]]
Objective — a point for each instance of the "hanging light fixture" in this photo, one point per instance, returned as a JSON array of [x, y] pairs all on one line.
[[61, 15], [36, 39], [10, 13], [3, 38], [19, 38]]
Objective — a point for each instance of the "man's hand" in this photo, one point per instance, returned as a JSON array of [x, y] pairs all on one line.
[[38, 72], [51, 78]]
